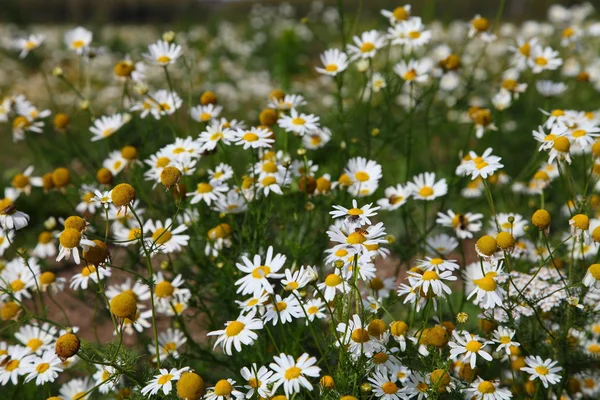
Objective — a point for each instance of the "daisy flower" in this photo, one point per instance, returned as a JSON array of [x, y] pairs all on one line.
[[37, 339], [169, 343], [103, 198], [208, 192], [413, 71], [78, 39], [28, 44], [254, 138], [398, 14], [238, 332], [75, 388], [334, 62], [257, 273], [298, 123], [163, 53], [503, 336], [356, 339], [106, 378], [542, 59], [443, 244], [15, 364], [424, 187], [484, 165], [410, 33], [315, 308], [163, 381], [395, 197], [7, 237], [205, 113], [385, 385], [164, 238], [550, 89], [358, 239], [171, 291], [106, 126], [544, 370], [431, 281], [487, 390], [355, 216], [258, 381], [469, 345], [297, 279], [463, 224], [283, 310], [212, 135], [317, 138], [489, 293], [88, 272], [363, 172], [366, 45], [292, 374], [288, 102], [437, 264], [418, 386], [592, 276], [44, 368]]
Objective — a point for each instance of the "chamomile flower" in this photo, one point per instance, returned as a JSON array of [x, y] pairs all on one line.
[[254, 138], [413, 71], [504, 337], [70, 239], [395, 197], [542, 59], [238, 332], [27, 44], [212, 135], [385, 385], [224, 390], [366, 45], [398, 14], [103, 198], [544, 370], [106, 378], [10, 217], [431, 281], [170, 291], [363, 173], [165, 238], [106, 126], [37, 338], [463, 224], [469, 345], [205, 113], [169, 344], [489, 293], [44, 368], [163, 53], [317, 138], [592, 276], [298, 279], [356, 339], [358, 239], [6, 238], [292, 374], [315, 308], [334, 62], [258, 381], [487, 390], [425, 187], [258, 273], [355, 216], [163, 381], [288, 102], [78, 39], [88, 272], [298, 123], [15, 364], [410, 33], [208, 192]]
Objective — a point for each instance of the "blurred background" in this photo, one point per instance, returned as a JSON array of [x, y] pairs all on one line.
[[188, 12]]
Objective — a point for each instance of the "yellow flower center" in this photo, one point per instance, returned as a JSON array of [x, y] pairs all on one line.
[[164, 289], [269, 180], [163, 59], [579, 133], [541, 61], [250, 137], [280, 306], [540, 369], [380, 358], [313, 309], [360, 335], [161, 236], [20, 181], [41, 368], [12, 365], [164, 379], [361, 176], [414, 34], [426, 191], [223, 388], [298, 121], [162, 162], [292, 373], [234, 328], [505, 340], [473, 346], [77, 44], [205, 116], [134, 234], [410, 75], [594, 270], [261, 272], [333, 280], [367, 47], [17, 285], [486, 283], [400, 14], [436, 261], [356, 238], [88, 270], [389, 388], [525, 49], [204, 187], [430, 276], [331, 68], [34, 344], [355, 211], [486, 387]]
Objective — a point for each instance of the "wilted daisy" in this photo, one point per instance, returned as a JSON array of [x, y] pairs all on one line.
[[292, 374], [592, 276], [70, 239], [163, 381], [163, 53], [78, 39], [544, 370], [238, 332], [334, 62], [469, 345]]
